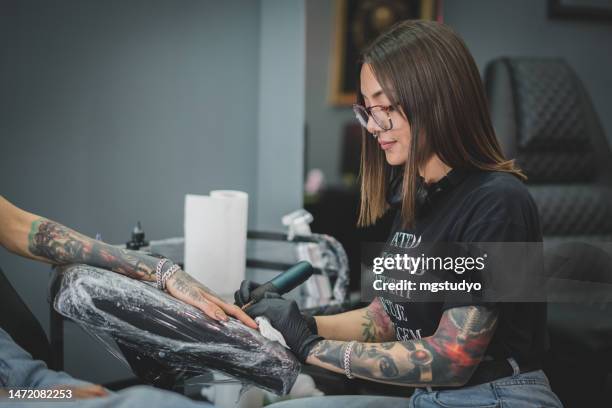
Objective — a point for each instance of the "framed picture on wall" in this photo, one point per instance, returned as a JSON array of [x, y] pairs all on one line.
[[357, 23]]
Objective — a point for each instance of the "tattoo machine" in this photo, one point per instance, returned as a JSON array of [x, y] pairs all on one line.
[[283, 283]]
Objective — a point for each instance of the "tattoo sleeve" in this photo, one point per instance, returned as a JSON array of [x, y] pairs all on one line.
[[447, 358], [376, 323], [58, 244]]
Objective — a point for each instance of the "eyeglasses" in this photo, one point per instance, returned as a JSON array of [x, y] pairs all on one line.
[[379, 113]]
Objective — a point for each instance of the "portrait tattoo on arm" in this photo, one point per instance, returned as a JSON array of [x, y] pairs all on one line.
[[447, 358], [61, 245]]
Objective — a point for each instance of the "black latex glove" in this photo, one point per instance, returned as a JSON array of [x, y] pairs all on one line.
[[285, 316], [243, 295]]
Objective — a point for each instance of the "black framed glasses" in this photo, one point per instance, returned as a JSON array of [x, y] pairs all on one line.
[[379, 113]]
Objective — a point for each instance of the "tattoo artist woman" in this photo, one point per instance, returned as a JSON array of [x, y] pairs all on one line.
[[423, 107]]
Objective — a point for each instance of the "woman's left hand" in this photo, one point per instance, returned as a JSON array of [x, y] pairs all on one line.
[[185, 288]]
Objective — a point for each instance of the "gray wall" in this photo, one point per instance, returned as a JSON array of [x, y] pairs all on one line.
[[491, 28], [324, 122], [281, 108], [110, 111]]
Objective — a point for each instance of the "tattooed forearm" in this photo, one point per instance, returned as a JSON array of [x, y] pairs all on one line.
[[448, 358], [190, 287], [376, 324], [61, 245]]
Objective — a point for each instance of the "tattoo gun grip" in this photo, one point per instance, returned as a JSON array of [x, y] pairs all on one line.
[[283, 283]]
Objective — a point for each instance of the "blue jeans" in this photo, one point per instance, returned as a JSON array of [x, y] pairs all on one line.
[[19, 370], [524, 390], [527, 390]]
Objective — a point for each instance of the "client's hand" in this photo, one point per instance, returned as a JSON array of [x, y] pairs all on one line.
[[285, 316], [183, 287], [84, 391]]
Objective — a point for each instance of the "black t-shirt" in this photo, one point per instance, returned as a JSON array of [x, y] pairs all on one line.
[[476, 206]]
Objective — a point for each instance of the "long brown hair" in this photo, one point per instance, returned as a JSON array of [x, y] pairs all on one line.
[[425, 68]]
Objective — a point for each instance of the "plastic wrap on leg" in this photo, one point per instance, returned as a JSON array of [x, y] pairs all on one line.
[[157, 335]]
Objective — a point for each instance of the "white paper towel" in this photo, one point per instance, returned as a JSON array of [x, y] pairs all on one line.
[[215, 239]]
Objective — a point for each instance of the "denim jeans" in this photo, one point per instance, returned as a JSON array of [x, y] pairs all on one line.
[[19, 370], [526, 390]]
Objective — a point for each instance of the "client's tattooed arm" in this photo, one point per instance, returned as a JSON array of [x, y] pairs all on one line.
[[447, 358], [34, 237], [55, 243]]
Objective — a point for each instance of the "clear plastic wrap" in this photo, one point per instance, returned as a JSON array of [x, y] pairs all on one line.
[[334, 260], [160, 337]]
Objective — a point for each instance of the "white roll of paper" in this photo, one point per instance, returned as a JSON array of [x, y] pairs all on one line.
[[215, 239]]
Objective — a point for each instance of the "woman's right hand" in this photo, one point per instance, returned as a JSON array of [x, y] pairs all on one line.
[[243, 295]]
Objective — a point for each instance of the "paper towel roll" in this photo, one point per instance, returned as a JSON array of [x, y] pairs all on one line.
[[215, 239]]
